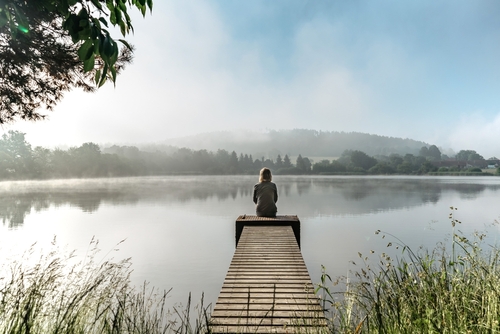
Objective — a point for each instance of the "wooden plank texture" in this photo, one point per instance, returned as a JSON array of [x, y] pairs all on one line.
[[267, 287]]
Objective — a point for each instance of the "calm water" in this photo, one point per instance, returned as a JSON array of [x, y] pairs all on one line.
[[179, 231]]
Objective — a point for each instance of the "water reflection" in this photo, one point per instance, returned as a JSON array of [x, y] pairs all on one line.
[[305, 196]]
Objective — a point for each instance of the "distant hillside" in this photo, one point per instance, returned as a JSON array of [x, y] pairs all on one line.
[[310, 143]]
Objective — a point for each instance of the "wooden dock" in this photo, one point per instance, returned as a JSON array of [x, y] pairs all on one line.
[[267, 287]]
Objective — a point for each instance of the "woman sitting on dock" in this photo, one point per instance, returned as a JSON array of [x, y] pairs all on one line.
[[265, 195]]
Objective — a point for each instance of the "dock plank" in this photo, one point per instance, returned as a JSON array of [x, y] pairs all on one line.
[[267, 288]]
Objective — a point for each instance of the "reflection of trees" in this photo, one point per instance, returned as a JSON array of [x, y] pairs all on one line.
[[356, 191], [366, 194], [245, 191], [471, 190], [286, 188], [430, 197], [303, 186], [14, 210], [89, 195], [329, 195], [15, 207]]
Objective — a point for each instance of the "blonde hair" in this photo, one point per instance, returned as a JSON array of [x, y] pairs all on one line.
[[265, 175]]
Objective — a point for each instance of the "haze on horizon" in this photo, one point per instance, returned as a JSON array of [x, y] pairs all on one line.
[[425, 70]]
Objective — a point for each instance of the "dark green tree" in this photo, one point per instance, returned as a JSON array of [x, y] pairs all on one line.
[[307, 164], [382, 168], [233, 163], [16, 155], [300, 163], [468, 155], [86, 160], [434, 153], [426, 167], [345, 157], [61, 163], [395, 160], [42, 158], [279, 162], [324, 166], [405, 168], [286, 162], [362, 160], [424, 151], [48, 47]]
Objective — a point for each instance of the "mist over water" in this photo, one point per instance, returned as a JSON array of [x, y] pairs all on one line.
[[179, 230]]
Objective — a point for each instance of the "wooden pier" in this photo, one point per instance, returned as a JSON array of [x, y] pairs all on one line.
[[267, 287]]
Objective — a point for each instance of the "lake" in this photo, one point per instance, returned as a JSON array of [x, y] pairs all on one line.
[[179, 230]]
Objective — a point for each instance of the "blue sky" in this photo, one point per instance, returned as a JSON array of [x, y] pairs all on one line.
[[426, 70]]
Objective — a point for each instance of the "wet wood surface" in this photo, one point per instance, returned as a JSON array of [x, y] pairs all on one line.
[[267, 288]]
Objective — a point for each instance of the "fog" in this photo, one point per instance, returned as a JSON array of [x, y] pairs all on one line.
[[180, 230], [332, 196], [424, 70]]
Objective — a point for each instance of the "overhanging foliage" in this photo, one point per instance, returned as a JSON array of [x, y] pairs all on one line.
[[48, 47]]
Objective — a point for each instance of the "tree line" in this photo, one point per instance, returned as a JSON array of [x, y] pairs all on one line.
[[19, 160]]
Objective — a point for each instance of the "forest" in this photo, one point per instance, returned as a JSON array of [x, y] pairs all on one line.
[[18, 161]]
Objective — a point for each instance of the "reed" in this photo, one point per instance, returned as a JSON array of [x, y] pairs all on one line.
[[443, 290], [58, 294]]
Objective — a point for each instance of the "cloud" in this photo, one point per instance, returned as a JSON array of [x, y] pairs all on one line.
[[193, 74]]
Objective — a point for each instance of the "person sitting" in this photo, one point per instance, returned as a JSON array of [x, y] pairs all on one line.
[[265, 195]]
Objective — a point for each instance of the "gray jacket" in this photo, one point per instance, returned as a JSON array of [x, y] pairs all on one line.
[[265, 195]]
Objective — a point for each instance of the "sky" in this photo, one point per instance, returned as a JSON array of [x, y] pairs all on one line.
[[427, 70]]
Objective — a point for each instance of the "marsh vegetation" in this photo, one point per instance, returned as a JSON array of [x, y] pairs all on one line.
[[55, 292], [453, 288]]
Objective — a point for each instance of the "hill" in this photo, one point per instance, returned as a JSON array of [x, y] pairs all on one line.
[[310, 143]]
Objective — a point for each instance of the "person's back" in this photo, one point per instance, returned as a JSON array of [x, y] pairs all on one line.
[[265, 195]]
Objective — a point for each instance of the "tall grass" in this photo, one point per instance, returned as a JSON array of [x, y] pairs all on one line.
[[441, 290], [55, 293]]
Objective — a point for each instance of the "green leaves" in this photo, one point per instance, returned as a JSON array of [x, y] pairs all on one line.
[[86, 22], [89, 64], [81, 30], [97, 4], [3, 18], [124, 42], [86, 54], [14, 17], [90, 25], [86, 50]]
